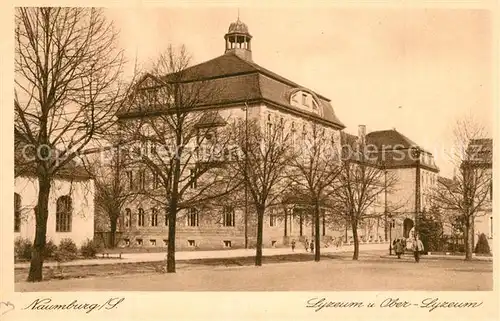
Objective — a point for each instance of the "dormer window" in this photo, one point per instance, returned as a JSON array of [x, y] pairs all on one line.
[[315, 106], [304, 99]]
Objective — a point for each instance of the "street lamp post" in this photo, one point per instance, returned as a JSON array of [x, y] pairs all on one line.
[[390, 234], [246, 178], [416, 154]]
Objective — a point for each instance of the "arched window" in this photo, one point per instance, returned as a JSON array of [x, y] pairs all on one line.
[[154, 217], [17, 212], [63, 214], [228, 216], [128, 217], [140, 217], [193, 217]]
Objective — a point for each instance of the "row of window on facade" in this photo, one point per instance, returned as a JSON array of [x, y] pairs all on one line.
[[293, 130], [153, 242], [137, 180], [64, 213], [192, 217]]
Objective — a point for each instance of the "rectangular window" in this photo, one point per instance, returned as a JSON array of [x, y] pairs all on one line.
[[272, 220], [228, 216], [165, 242], [142, 179], [130, 179], [304, 99], [139, 242], [227, 243], [128, 217], [156, 180], [152, 242], [154, 217], [127, 242], [191, 243], [192, 178], [269, 130], [140, 217], [193, 217]]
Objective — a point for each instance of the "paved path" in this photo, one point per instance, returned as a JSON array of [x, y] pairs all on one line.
[[191, 255], [370, 273], [409, 257]]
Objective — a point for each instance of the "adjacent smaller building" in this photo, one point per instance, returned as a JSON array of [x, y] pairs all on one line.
[[71, 203]]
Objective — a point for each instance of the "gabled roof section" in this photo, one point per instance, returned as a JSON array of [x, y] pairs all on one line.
[[210, 119], [480, 152], [389, 138], [393, 149], [239, 80], [27, 168]]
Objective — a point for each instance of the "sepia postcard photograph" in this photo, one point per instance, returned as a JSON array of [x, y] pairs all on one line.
[[207, 149]]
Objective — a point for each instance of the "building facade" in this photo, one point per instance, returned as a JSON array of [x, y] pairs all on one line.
[[71, 207], [413, 175], [245, 91]]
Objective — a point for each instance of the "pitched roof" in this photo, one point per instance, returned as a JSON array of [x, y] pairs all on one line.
[[480, 151], [238, 80], [210, 119], [389, 138], [396, 147], [70, 170]]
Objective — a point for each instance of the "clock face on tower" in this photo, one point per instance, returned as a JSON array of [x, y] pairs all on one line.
[[305, 100]]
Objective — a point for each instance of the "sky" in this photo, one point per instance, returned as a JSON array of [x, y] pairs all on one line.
[[413, 69]]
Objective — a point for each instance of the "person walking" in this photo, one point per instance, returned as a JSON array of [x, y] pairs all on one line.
[[306, 245], [312, 246], [293, 245], [398, 248], [418, 247]]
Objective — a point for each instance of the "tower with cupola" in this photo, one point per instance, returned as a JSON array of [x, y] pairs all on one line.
[[238, 40]]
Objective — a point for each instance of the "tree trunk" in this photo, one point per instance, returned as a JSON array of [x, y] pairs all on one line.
[[354, 225], [41, 214], [301, 221], [260, 225], [113, 225], [469, 238], [172, 214], [286, 221], [317, 237], [386, 228]]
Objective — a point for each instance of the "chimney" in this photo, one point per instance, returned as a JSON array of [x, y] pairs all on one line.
[[362, 134]]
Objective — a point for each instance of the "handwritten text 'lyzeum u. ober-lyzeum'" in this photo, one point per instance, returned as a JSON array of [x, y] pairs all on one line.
[[430, 304]]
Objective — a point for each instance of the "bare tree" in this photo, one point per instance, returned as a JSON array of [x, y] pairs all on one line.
[[314, 171], [361, 180], [67, 71], [465, 197], [111, 191], [267, 153], [182, 146]]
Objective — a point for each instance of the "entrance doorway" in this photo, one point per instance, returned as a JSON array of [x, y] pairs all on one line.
[[407, 226]]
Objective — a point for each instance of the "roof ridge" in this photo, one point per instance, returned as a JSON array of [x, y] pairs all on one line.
[[269, 72]]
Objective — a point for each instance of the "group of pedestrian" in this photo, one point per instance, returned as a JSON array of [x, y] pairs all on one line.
[[399, 246], [308, 245], [417, 247]]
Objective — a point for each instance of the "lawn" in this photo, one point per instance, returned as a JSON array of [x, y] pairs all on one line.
[[78, 272], [336, 273]]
